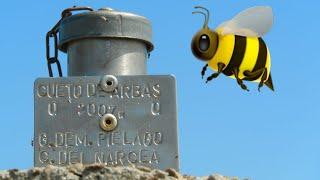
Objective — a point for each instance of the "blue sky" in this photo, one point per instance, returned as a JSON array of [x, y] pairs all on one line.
[[267, 135]]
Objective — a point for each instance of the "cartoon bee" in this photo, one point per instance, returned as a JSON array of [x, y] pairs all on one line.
[[236, 48]]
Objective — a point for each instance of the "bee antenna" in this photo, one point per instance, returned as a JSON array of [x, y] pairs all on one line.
[[207, 15]]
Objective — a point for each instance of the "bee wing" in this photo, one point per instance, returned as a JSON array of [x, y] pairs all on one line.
[[253, 22]]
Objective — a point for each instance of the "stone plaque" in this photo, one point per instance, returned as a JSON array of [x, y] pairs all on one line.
[[69, 111]]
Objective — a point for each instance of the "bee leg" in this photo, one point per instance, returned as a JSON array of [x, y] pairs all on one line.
[[239, 81], [215, 75], [204, 69], [263, 79], [257, 73], [253, 74]]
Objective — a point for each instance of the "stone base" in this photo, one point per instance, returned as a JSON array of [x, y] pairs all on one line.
[[99, 171]]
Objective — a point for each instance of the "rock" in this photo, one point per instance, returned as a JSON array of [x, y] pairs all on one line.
[[99, 171]]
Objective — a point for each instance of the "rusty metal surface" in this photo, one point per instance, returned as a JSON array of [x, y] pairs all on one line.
[[68, 113]]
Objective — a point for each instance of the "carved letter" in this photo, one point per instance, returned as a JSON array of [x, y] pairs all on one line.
[[155, 109], [52, 109]]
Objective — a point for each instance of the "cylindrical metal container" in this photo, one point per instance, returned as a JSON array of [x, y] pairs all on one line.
[[106, 42]]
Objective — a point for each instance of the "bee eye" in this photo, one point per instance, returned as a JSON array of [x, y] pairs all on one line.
[[204, 42]]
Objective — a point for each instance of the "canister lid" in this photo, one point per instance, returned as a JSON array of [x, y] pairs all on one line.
[[105, 23]]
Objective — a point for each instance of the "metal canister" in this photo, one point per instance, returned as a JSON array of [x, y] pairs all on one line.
[[106, 42]]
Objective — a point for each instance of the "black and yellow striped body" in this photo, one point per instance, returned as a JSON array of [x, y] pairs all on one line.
[[245, 53]]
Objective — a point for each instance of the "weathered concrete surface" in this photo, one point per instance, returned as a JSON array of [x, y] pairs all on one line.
[[98, 171]]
